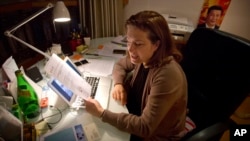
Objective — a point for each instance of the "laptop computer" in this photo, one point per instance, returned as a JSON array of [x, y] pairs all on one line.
[[101, 92]]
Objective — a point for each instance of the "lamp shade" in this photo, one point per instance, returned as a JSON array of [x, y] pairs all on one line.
[[60, 12]]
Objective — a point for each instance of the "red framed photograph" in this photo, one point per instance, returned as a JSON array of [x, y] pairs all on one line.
[[212, 13]]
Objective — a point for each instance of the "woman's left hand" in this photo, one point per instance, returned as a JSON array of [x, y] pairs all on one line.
[[93, 107]]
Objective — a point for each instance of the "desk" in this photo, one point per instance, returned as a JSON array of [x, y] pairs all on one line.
[[107, 132]]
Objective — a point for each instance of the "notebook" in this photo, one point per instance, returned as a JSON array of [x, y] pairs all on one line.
[[78, 132], [101, 94]]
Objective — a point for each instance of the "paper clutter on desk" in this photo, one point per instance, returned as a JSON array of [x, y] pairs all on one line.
[[9, 68], [77, 57], [120, 40], [108, 50], [99, 67], [100, 47]]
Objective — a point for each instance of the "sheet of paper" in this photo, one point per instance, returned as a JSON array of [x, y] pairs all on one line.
[[108, 48], [91, 132], [120, 40], [100, 67], [9, 67], [57, 68]]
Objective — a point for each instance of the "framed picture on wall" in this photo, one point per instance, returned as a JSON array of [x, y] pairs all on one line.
[[212, 13]]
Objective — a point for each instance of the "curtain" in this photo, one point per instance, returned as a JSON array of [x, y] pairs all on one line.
[[101, 18]]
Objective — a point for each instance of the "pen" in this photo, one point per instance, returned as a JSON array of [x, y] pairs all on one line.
[[92, 54], [123, 45]]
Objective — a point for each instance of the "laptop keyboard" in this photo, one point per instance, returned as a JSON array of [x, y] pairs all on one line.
[[93, 81]]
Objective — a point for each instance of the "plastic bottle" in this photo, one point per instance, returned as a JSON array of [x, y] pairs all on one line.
[[26, 97]]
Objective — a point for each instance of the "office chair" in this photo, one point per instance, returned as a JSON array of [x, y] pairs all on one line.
[[217, 67]]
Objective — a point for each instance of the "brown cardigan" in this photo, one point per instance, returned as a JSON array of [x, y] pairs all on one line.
[[163, 106]]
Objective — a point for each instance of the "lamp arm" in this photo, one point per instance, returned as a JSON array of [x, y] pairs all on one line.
[[29, 45], [9, 32], [50, 5]]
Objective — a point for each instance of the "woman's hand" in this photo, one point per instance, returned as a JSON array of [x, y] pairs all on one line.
[[93, 107], [120, 94]]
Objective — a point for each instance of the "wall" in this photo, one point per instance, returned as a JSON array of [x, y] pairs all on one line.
[[236, 20]]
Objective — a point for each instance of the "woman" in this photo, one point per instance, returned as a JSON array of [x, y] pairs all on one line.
[[156, 96]]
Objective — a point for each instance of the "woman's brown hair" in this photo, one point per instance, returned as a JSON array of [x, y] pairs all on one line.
[[158, 30]]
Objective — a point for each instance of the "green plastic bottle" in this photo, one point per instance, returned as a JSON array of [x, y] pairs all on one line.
[[26, 97]]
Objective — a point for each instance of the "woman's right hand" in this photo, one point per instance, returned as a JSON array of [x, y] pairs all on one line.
[[119, 94]]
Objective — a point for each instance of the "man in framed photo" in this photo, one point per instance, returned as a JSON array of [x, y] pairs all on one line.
[[214, 13]]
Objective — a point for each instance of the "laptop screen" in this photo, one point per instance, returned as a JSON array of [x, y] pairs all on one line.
[[72, 65], [64, 91]]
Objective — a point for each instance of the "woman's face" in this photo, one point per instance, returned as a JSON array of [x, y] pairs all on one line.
[[140, 48]]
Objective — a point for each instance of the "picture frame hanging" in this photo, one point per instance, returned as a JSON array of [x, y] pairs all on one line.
[[212, 13]]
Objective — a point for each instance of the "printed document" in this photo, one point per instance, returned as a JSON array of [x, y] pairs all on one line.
[[57, 68]]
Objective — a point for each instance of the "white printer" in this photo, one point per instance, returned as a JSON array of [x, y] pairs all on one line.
[[180, 27]]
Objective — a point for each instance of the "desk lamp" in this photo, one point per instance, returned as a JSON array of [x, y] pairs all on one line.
[[60, 14]]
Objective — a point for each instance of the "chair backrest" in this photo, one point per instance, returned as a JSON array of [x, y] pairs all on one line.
[[217, 66]]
